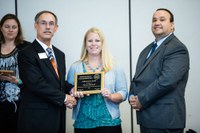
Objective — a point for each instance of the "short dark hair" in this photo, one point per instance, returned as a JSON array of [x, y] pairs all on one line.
[[19, 38], [170, 13], [45, 11]]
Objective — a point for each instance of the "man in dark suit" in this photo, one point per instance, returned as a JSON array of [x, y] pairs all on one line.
[[45, 93], [158, 88]]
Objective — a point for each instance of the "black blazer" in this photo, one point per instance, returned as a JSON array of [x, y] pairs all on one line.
[[42, 107]]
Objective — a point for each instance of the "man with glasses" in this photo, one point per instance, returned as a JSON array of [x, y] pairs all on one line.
[[42, 70]]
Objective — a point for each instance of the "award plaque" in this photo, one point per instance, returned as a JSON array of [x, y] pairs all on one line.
[[89, 83], [6, 72]]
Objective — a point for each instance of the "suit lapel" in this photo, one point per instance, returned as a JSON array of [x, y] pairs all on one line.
[[143, 65], [46, 61]]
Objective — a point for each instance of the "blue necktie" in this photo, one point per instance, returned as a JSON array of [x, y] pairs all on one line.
[[50, 53], [151, 52], [51, 58], [153, 49]]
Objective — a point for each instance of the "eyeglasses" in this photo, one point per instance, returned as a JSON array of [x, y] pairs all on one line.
[[45, 23]]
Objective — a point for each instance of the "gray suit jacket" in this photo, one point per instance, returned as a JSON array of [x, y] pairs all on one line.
[[160, 85]]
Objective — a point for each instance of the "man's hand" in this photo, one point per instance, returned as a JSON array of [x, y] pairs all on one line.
[[135, 103], [70, 102]]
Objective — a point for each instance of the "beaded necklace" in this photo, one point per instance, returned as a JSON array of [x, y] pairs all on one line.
[[93, 69]]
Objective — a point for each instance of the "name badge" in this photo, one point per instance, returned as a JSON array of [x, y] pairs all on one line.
[[42, 55]]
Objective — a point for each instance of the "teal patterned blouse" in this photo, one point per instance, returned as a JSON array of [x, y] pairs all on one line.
[[94, 113]]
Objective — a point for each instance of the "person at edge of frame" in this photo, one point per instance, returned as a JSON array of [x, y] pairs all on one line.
[[157, 90]]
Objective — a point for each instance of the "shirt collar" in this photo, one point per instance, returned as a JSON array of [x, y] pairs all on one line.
[[162, 40], [44, 46]]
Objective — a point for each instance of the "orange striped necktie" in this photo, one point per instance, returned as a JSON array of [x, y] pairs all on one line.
[[51, 58]]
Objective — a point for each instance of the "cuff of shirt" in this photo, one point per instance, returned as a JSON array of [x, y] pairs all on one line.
[[65, 99]]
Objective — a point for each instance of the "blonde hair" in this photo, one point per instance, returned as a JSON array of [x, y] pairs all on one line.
[[106, 58]]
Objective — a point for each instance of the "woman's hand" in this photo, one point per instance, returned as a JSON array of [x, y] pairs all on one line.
[[77, 94], [106, 93], [114, 97], [9, 78]]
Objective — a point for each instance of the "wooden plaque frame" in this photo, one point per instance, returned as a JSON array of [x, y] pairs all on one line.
[[89, 83]]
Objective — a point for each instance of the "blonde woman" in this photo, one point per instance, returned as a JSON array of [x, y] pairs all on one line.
[[98, 113]]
